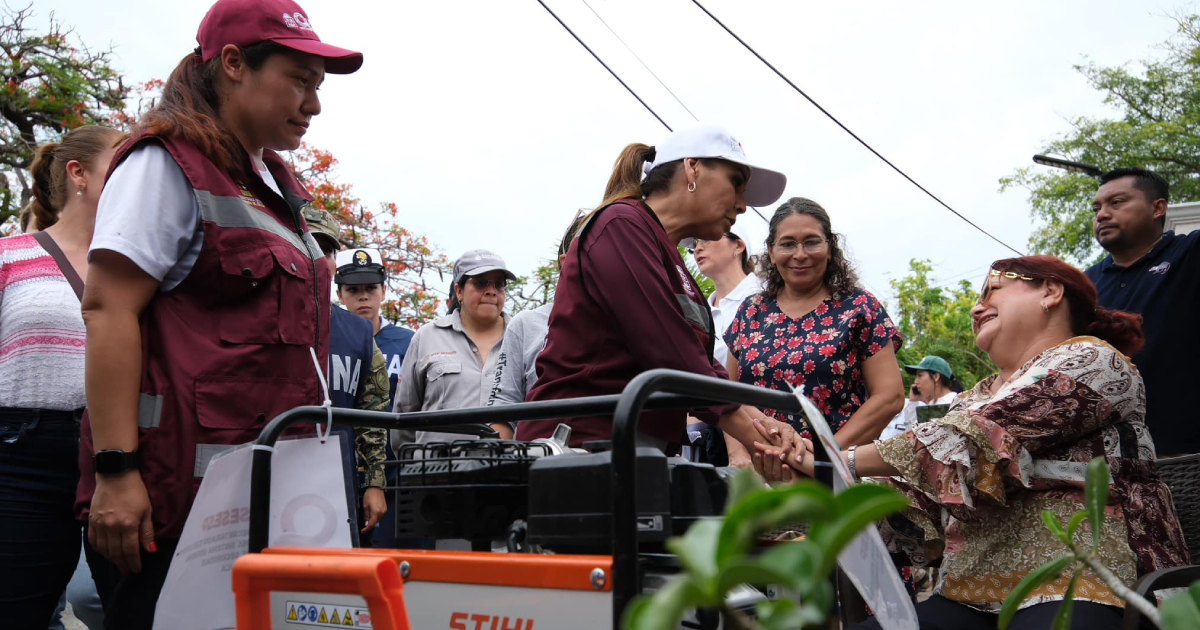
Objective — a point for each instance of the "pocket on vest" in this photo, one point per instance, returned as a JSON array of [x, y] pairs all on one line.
[[245, 403], [258, 285]]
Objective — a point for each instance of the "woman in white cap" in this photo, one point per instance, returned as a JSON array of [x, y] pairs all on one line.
[[451, 362], [207, 297], [626, 303]]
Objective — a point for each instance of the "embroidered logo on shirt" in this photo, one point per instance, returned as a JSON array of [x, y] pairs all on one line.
[[687, 281], [1161, 268], [249, 198]]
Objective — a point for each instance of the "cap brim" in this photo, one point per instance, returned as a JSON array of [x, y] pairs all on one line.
[[337, 60], [912, 369], [482, 270], [764, 187], [366, 276]]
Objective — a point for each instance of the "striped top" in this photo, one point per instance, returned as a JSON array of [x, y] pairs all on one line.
[[41, 330]]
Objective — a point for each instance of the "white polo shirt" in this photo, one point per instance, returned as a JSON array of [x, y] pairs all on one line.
[[725, 310]]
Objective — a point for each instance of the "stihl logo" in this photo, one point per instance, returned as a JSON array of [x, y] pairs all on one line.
[[465, 621]]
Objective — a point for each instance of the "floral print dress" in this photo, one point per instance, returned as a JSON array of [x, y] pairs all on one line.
[[822, 351], [980, 477]]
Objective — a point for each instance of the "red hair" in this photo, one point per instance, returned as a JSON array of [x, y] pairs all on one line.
[[1120, 329]]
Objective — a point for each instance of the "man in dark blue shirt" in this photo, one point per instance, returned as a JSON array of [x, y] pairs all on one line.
[[1156, 274]]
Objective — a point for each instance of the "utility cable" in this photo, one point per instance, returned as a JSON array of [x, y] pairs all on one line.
[[601, 61], [847, 129]]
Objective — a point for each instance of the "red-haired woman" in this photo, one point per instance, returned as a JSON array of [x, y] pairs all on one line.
[[206, 289], [1019, 443]]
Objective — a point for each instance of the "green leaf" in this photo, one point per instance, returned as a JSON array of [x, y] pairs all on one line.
[[664, 610], [1182, 611], [792, 565], [1044, 574], [767, 508], [1074, 524], [1096, 496], [1055, 527], [1062, 620], [858, 507], [784, 614], [743, 484], [696, 550]]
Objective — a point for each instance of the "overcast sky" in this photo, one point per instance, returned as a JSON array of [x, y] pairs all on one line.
[[489, 125]]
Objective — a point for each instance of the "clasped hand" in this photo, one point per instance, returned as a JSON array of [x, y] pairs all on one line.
[[782, 455]]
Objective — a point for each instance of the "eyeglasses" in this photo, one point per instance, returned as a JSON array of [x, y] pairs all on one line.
[[482, 284], [996, 273], [810, 245]]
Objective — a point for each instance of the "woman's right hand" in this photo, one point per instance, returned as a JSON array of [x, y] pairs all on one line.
[[119, 525]]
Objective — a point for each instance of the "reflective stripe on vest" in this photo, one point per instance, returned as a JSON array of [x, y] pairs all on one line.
[[231, 212]]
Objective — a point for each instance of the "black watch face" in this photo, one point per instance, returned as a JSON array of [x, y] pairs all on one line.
[[110, 462]]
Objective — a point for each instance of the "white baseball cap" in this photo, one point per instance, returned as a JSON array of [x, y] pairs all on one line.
[[764, 187]]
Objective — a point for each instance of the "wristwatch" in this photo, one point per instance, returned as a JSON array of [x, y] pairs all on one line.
[[850, 462], [112, 462]]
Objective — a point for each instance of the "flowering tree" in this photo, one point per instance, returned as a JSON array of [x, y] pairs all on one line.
[[50, 83], [411, 262]]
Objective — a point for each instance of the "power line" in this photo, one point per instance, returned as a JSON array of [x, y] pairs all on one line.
[[625, 85], [635, 56], [601, 61], [847, 129]]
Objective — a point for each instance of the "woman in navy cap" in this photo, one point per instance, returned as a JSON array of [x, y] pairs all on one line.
[[207, 297], [451, 362]]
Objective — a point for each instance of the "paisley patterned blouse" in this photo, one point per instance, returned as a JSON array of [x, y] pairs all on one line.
[[980, 477]]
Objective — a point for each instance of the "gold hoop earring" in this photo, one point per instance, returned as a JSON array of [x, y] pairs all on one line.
[[692, 187]]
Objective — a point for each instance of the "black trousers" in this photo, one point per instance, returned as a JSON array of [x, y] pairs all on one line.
[[129, 600], [39, 536], [939, 613]]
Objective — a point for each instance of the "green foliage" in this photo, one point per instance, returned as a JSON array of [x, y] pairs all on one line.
[[48, 85], [937, 320], [715, 553], [1180, 612], [1158, 128]]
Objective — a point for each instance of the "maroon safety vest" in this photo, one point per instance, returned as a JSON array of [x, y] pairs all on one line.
[[228, 349]]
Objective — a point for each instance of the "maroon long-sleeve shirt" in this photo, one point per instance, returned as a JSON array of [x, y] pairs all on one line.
[[641, 310]]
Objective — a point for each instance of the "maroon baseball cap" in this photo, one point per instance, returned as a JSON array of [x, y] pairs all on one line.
[[246, 22]]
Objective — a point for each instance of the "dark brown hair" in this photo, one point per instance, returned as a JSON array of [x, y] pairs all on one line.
[[49, 169], [840, 277], [1120, 329], [747, 264], [190, 104]]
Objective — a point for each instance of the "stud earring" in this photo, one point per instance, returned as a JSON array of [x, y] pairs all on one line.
[[692, 187], [1045, 309]]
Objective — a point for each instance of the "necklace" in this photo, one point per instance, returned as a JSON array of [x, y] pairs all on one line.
[[1150, 249]]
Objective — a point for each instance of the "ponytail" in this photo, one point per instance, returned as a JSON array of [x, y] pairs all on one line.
[[45, 176], [1121, 330], [626, 181], [452, 303], [49, 168]]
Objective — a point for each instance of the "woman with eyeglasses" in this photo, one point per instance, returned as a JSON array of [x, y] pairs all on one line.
[[1018, 444], [451, 362], [815, 327]]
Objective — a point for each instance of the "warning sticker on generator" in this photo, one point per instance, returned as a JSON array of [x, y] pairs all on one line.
[[327, 616]]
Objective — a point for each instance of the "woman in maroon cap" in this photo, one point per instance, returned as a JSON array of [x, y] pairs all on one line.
[[206, 293]]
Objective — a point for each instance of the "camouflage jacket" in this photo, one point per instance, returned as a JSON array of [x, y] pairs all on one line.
[[371, 444]]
